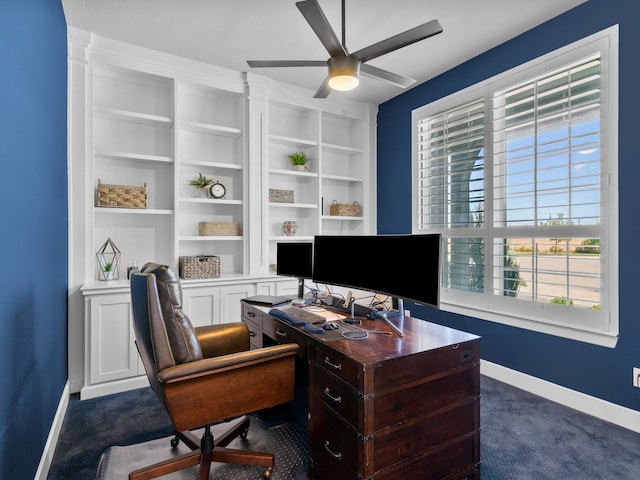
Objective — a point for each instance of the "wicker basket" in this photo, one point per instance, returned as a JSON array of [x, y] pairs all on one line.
[[218, 228], [122, 196], [345, 209], [280, 196], [199, 266]]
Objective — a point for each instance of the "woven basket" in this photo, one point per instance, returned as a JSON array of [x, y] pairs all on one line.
[[218, 228], [345, 209], [199, 266], [280, 196], [122, 196]]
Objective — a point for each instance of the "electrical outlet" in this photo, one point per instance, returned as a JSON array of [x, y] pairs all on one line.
[[636, 377], [407, 312]]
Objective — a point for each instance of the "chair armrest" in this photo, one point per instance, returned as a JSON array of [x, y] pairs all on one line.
[[223, 339], [211, 366]]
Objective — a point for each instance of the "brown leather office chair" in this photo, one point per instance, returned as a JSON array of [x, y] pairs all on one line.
[[204, 375]]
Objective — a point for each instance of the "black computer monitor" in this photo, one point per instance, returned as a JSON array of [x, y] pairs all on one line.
[[295, 259], [406, 267]]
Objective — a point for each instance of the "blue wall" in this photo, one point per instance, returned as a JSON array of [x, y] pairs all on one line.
[[33, 219], [598, 371]]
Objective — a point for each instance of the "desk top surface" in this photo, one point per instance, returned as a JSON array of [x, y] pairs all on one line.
[[419, 336]]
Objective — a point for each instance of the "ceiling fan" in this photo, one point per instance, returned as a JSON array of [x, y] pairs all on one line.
[[345, 67]]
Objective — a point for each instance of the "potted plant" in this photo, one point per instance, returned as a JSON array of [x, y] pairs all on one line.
[[299, 160], [201, 182]]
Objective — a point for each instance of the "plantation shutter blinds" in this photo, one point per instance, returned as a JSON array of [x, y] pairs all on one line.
[[545, 165], [546, 154]]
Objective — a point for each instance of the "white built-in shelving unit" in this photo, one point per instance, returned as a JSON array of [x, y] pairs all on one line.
[[144, 117]]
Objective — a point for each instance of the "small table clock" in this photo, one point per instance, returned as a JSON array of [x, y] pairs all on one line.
[[217, 190]]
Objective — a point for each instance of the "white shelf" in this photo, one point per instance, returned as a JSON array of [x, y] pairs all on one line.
[[132, 211], [210, 238], [293, 141], [210, 129], [132, 156], [340, 217], [341, 149], [343, 178], [134, 117], [292, 173], [293, 205], [210, 201], [202, 163]]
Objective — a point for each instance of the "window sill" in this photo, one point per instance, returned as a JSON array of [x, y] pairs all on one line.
[[596, 337]]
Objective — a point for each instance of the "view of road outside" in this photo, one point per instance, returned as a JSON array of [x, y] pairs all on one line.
[[545, 277]]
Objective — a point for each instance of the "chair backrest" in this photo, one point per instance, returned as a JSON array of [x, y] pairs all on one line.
[[164, 334], [182, 337], [145, 304]]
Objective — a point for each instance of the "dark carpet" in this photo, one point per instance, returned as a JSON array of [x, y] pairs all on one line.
[[524, 437]]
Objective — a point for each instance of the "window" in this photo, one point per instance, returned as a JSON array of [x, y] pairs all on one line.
[[519, 175]]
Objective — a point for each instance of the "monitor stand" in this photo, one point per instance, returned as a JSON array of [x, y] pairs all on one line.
[[301, 288], [384, 316], [394, 313]]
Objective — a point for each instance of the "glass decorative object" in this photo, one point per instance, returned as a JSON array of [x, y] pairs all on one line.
[[108, 260], [289, 227]]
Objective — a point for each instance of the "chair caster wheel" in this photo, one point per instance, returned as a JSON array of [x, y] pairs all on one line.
[[175, 441], [267, 472]]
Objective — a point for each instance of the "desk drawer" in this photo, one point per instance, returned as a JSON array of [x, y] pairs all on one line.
[[283, 333], [333, 448], [405, 451], [329, 390], [253, 319], [339, 365]]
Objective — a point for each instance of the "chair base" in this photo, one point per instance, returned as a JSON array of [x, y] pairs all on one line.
[[208, 451]]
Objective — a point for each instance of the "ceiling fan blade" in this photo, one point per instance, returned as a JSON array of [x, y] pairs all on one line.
[[399, 80], [315, 17], [324, 90], [286, 63], [400, 40]]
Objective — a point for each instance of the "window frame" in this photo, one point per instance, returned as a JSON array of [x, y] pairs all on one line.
[[599, 328]]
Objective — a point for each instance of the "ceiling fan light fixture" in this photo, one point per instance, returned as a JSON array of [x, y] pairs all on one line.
[[343, 73]]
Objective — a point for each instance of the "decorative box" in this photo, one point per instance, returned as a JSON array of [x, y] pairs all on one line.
[[280, 196], [345, 209], [199, 266], [122, 196], [218, 228]]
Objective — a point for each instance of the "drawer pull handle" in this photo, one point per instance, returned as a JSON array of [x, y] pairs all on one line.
[[336, 366], [337, 399], [251, 314], [335, 455], [280, 333], [252, 334]]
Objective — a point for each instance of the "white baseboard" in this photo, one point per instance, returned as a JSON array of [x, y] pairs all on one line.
[[52, 440], [607, 411], [117, 386]]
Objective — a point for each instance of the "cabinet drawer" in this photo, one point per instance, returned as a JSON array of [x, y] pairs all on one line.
[[402, 452], [333, 448], [283, 333], [337, 364], [334, 393], [401, 442], [426, 398]]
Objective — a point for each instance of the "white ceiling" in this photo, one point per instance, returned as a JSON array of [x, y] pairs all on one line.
[[226, 33]]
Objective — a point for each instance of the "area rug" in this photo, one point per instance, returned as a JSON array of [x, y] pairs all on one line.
[[288, 442]]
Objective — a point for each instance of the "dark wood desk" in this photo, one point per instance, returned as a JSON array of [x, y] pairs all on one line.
[[387, 407]]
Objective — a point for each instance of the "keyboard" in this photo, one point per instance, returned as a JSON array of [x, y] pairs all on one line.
[[303, 314]]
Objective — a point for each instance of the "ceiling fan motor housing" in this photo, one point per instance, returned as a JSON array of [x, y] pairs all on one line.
[[343, 72]]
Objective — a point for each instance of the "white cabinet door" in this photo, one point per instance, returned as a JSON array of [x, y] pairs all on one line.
[[202, 305], [112, 352], [230, 296]]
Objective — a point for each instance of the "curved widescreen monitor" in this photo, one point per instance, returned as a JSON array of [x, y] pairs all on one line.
[[402, 266], [295, 259]]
